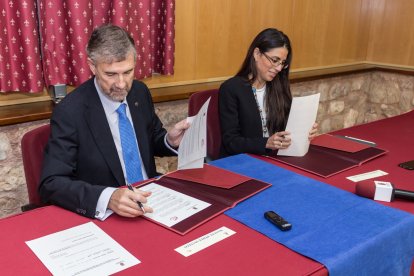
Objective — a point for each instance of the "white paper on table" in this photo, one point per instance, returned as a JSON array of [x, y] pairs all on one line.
[[82, 250], [205, 241], [367, 175], [193, 146], [170, 207], [302, 116]]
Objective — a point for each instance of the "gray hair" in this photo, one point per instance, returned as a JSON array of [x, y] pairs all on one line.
[[110, 43]]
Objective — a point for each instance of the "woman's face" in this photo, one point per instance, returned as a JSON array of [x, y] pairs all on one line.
[[270, 63]]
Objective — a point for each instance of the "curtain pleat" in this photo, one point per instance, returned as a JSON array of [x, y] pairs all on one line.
[[20, 62], [64, 28]]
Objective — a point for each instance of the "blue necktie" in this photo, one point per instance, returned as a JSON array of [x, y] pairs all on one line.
[[129, 147]]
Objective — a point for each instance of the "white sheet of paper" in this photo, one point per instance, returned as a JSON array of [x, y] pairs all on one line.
[[170, 207], [193, 146], [205, 241], [367, 175], [82, 250], [302, 116]]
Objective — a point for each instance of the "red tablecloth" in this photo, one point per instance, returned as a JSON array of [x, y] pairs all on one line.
[[245, 253]]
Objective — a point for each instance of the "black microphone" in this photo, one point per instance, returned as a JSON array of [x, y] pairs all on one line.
[[369, 188], [404, 194]]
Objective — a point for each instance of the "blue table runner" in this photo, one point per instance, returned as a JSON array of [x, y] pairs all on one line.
[[349, 234]]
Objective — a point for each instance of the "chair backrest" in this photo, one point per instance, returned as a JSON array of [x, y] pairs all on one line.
[[196, 101], [33, 144]]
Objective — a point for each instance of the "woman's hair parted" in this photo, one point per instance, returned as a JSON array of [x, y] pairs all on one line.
[[110, 43], [278, 95]]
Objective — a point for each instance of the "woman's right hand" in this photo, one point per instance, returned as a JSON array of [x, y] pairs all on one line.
[[279, 140]]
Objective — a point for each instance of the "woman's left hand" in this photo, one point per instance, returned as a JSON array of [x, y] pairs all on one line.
[[313, 132]]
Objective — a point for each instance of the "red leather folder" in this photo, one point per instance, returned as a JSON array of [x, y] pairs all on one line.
[[338, 143], [220, 198], [210, 175], [326, 162]]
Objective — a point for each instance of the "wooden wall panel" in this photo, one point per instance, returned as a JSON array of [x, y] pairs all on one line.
[[225, 29], [212, 36], [392, 32], [221, 31], [185, 36], [329, 32], [270, 14]]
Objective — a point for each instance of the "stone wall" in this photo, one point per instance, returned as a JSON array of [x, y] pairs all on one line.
[[345, 101], [359, 98]]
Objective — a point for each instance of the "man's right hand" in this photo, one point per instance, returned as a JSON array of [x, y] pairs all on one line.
[[124, 202]]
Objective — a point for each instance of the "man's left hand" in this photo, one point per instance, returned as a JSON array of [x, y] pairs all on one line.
[[175, 134]]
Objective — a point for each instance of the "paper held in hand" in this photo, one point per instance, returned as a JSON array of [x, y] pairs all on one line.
[[302, 116], [193, 146]]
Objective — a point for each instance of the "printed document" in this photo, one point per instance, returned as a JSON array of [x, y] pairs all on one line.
[[170, 207], [302, 116], [193, 146], [82, 250]]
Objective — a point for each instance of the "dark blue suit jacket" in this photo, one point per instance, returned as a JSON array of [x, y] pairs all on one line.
[[81, 160]]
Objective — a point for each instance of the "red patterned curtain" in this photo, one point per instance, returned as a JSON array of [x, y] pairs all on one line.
[[66, 26], [20, 64]]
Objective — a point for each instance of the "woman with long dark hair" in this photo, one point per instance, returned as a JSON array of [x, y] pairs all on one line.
[[254, 105]]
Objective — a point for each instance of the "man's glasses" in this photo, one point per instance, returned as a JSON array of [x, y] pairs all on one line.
[[276, 61]]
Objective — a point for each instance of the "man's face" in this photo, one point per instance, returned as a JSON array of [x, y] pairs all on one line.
[[115, 79]]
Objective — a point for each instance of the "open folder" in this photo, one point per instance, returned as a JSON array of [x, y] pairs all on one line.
[[219, 188], [330, 155]]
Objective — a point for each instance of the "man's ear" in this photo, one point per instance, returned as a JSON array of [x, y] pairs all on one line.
[[91, 65]]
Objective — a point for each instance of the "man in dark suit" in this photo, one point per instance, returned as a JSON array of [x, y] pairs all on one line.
[[84, 160]]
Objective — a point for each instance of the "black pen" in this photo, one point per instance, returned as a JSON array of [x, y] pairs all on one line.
[[139, 203]]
